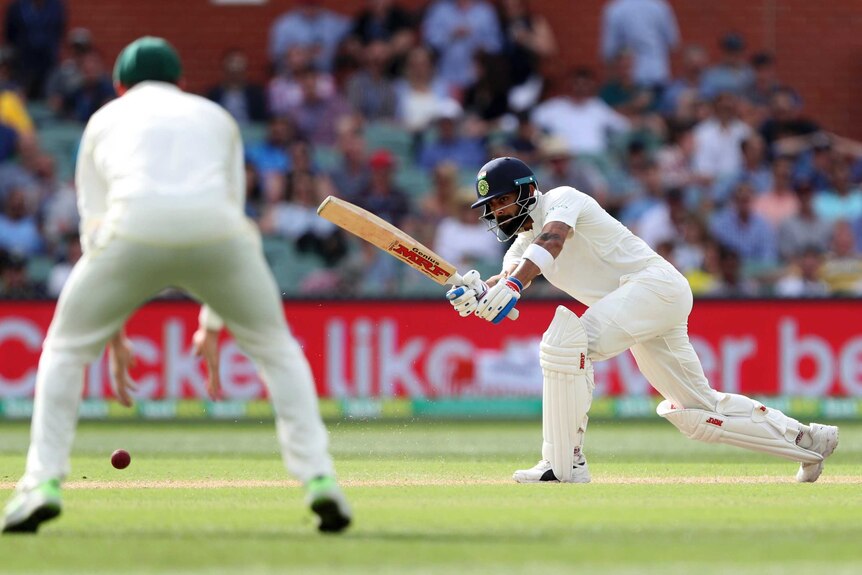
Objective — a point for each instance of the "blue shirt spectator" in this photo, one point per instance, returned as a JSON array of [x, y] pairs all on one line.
[[457, 29], [733, 74], [270, 156], [315, 28], [18, 230], [35, 30], [694, 60], [648, 29], [738, 227], [466, 153], [843, 200], [8, 143]]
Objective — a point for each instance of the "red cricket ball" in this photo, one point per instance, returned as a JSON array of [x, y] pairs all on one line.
[[121, 459]]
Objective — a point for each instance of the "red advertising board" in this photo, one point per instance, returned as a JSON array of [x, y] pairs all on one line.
[[422, 349]]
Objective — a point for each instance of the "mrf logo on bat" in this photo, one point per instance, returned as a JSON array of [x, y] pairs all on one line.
[[419, 260]]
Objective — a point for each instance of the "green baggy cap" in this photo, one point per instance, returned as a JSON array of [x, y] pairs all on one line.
[[147, 58]]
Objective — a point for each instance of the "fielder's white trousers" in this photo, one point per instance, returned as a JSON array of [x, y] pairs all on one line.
[[648, 314], [111, 281]]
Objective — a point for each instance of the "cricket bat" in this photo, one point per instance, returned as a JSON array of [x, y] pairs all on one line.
[[398, 244]]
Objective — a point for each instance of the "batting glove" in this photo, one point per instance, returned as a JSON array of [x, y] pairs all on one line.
[[499, 300], [465, 298]]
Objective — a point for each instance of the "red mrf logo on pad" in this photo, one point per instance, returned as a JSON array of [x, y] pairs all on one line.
[[422, 262], [715, 422]]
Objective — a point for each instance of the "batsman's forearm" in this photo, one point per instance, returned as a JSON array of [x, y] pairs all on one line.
[[526, 272]]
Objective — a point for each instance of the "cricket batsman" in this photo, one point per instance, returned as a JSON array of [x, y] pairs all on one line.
[[160, 184], [636, 300]]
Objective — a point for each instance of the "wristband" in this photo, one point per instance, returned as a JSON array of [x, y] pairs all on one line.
[[515, 284], [539, 256]]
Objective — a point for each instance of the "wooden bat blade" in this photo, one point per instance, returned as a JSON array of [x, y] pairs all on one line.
[[398, 244]]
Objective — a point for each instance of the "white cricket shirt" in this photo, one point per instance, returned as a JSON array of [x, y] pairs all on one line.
[[161, 166], [598, 252]]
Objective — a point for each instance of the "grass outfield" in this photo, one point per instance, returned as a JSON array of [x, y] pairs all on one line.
[[437, 498]]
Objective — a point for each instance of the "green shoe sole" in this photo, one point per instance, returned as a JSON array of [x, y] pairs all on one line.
[[332, 520], [41, 514]]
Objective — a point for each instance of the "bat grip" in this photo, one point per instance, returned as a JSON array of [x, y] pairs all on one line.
[[457, 280]]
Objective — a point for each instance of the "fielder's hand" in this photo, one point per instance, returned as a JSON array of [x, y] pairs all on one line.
[[120, 360], [499, 300], [205, 344], [465, 298]]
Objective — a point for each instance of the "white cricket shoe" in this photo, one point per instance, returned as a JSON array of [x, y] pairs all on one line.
[[29, 508], [542, 471], [329, 504], [825, 439]]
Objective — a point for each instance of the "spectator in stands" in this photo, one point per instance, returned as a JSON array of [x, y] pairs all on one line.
[[95, 90], [383, 197], [843, 267], [56, 199], [19, 232], [780, 202], [35, 29], [560, 167], [745, 232], [648, 29], [284, 91], [527, 40], [440, 199], [254, 196], [690, 247], [580, 118], [676, 158], [295, 218], [418, 93], [785, 119], [316, 115], [662, 219], [646, 192], [309, 25], [804, 229], [387, 22], [732, 74], [59, 274], [803, 279], [765, 82], [731, 283], [523, 143], [10, 143], [463, 240], [14, 281], [68, 76], [270, 158], [13, 108], [353, 175], [718, 141], [467, 152], [842, 200], [620, 91], [245, 101], [694, 61], [755, 169], [456, 30], [487, 98], [369, 90]]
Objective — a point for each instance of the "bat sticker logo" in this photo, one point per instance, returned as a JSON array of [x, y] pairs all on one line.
[[425, 264]]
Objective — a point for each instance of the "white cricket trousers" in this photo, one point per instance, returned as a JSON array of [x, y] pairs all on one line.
[[110, 282], [648, 314]]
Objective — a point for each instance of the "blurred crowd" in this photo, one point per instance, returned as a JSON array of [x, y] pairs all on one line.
[[716, 164]]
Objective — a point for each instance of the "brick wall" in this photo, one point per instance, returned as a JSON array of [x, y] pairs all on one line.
[[818, 43]]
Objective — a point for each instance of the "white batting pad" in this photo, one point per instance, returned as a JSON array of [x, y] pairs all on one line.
[[742, 422], [567, 391]]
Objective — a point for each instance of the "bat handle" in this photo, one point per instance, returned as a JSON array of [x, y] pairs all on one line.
[[457, 280]]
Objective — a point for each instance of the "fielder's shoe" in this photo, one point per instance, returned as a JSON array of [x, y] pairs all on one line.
[[328, 502], [542, 472], [28, 508], [825, 438]]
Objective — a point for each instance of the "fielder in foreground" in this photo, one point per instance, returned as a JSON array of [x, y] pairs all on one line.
[[636, 300], [160, 183]]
